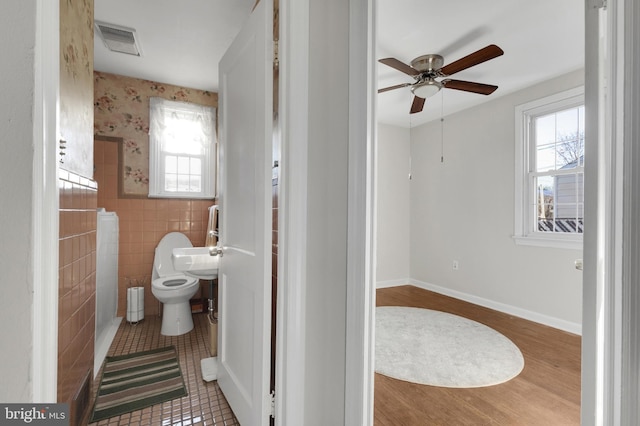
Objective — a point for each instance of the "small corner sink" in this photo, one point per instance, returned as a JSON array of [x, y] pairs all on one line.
[[195, 261]]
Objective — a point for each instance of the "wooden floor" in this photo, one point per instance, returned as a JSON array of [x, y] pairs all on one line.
[[546, 393]]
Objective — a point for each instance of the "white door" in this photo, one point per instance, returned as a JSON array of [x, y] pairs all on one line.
[[245, 129]]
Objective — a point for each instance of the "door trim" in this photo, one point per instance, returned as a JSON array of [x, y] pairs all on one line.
[[292, 213], [625, 108], [360, 316], [611, 331], [45, 226]]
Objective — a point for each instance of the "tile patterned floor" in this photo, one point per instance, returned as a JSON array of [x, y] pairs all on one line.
[[204, 405]]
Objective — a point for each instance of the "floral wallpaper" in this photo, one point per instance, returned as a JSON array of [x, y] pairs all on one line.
[[121, 109], [76, 85]]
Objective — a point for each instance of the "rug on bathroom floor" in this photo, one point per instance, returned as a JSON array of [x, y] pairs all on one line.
[[138, 380], [441, 349]]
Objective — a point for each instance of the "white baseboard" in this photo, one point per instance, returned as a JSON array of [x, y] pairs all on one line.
[[558, 323], [393, 283]]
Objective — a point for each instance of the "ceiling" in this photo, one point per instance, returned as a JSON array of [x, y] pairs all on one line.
[[541, 39], [181, 41]]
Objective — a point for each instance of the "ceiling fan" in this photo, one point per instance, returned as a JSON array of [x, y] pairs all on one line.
[[426, 68]]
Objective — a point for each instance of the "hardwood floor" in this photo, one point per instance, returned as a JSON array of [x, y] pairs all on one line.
[[547, 391]]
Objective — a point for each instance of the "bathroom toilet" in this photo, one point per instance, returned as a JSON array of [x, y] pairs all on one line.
[[174, 289]]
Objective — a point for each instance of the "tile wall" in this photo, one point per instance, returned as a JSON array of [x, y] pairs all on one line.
[[77, 282], [143, 222]]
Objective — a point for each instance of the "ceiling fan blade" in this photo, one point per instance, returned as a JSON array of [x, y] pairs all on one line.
[[475, 58], [417, 105], [397, 86], [469, 86], [400, 66]]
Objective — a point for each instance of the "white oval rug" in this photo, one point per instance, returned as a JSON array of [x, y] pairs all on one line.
[[440, 349]]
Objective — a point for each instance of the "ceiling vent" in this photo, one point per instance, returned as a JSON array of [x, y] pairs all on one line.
[[118, 39]]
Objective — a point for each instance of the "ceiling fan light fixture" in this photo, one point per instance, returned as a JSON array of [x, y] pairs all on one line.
[[426, 89]]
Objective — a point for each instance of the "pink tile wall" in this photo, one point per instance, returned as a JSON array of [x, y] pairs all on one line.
[[143, 222], [77, 281]]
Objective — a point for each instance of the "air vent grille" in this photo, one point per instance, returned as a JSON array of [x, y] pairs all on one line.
[[118, 39]]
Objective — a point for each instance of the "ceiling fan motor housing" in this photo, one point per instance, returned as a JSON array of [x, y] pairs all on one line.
[[428, 63]]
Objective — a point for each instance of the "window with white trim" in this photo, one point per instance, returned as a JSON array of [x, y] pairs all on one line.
[[550, 171], [182, 142]]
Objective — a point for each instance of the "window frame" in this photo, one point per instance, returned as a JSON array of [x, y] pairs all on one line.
[[524, 233], [157, 156]]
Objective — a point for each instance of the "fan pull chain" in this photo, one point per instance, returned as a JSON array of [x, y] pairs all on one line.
[[441, 140], [410, 165], [441, 127]]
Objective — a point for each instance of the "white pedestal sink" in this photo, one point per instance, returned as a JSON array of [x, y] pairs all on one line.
[[195, 261]]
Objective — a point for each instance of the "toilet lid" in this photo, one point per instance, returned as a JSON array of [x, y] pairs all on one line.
[[162, 260]]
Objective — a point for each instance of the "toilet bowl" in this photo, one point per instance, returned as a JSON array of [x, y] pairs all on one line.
[[174, 289]]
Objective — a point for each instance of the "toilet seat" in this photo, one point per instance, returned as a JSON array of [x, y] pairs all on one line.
[[174, 282]]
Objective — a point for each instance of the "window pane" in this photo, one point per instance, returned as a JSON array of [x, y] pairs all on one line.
[[170, 183], [569, 152], [196, 183], [183, 165], [560, 140], [546, 157], [566, 190], [545, 129], [560, 203], [183, 183], [171, 164], [544, 197], [196, 166], [566, 124]]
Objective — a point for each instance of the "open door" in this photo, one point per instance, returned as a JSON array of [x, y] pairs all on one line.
[[244, 307]]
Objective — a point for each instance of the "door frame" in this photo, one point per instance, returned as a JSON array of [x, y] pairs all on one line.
[[45, 222], [611, 297], [291, 358]]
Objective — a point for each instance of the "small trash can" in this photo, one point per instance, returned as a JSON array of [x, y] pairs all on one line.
[[135, 304]]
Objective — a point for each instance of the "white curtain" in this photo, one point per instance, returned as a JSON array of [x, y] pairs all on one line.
[[181, 127]]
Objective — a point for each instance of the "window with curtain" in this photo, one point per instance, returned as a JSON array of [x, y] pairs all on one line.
[[182, 142]]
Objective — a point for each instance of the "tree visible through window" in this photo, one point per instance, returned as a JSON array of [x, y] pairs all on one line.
[[557, 170]]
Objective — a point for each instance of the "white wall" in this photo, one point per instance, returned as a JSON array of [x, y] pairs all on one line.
[[392, 204], [327, 198], [17, 42], [463, 209]]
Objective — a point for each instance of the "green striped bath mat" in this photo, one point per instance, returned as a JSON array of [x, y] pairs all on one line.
[[135, 381]]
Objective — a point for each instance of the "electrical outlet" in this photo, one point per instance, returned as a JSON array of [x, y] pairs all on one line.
[[455, 265]]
